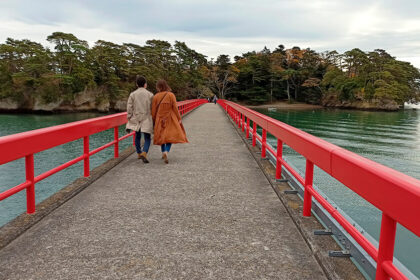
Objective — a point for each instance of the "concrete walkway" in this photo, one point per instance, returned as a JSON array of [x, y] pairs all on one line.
[[209, 214]]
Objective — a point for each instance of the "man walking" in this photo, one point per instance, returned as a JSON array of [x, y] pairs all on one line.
[[139, 116]]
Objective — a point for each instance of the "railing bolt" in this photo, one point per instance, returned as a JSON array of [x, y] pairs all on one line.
[[323, 232], [290, 192], [339, 254]]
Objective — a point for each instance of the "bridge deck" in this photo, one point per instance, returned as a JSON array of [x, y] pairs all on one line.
[[209, 214]]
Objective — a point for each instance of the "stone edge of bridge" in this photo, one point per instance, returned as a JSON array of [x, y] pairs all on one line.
[[333, 267], [23, 222]]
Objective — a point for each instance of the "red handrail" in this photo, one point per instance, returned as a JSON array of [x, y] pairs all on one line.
[[26, 144], [395, 194]]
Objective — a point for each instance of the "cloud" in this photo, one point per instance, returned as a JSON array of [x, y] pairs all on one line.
[[232, 27]]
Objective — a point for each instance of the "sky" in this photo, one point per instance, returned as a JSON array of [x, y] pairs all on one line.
[[225, 26]]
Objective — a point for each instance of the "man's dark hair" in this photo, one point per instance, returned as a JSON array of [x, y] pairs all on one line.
[[140, 81]]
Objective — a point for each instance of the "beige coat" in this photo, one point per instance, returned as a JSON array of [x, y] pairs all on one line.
[[139, 111], [168, 128]]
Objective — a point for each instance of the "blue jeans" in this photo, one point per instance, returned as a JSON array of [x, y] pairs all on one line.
[[166, 147], [146, 142]]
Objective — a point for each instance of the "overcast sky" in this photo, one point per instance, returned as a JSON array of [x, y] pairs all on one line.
[[225, 26]]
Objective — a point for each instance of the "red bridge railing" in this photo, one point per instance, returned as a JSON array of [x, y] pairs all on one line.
[[395, 194], [26, 144]]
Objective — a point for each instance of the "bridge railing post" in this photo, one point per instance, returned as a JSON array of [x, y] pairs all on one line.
[[86, 168], [386, 245], [30, 190], [307, 197], [247, 128], [116, 145], [254, 134], [243, 122], [279, 158], [239, 119], [264, 143]]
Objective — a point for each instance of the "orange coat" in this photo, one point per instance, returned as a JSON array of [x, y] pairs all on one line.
[[166, 119]]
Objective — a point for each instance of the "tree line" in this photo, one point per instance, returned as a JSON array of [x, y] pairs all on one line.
[[71, 66], [307, 76]]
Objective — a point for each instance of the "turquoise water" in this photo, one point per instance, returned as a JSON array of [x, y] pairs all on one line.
[[13, 173], [390, 138]]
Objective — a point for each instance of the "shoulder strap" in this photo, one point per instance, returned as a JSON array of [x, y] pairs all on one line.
[[157, 108]]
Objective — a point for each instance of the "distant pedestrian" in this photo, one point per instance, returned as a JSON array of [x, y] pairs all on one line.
[[140, 117], [208, 99], [215, 99], [168, 125]]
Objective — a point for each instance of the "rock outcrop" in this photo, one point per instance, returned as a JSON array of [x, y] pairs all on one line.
[[8, 104], [374, 104], [88, 100], [40, 105], [120, 105]]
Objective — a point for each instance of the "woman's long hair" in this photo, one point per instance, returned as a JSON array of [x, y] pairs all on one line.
[[162, 85]]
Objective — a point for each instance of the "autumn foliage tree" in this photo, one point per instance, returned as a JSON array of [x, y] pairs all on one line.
[[222, 75]]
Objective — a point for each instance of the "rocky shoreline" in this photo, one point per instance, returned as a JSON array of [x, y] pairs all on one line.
[[331, 101], [374, 105], [86, 101], [90, 101], [284, 105]]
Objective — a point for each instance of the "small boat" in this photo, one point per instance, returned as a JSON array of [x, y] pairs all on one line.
[[272, 109]]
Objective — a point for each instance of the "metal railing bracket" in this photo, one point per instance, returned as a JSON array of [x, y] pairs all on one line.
[[290, 192], [339, 254], [323, 232]]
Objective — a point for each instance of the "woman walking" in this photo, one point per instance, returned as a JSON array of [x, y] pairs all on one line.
[[168, 126]]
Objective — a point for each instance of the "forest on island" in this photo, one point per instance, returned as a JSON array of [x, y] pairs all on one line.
[[70, 66]]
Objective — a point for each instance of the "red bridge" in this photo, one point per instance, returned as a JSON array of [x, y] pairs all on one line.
[[211, 213]]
